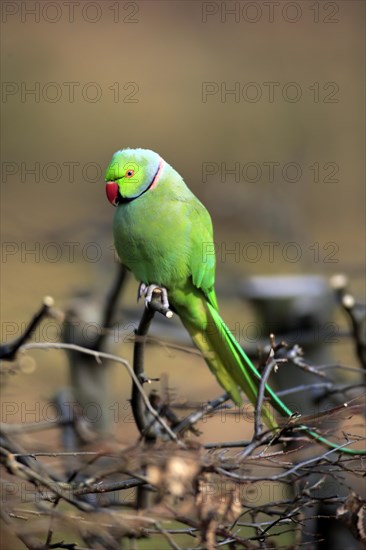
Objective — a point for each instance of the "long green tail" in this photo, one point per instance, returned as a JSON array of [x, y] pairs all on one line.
[[232, 367]]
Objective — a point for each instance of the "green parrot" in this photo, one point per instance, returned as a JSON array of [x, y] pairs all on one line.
[[164, 235]]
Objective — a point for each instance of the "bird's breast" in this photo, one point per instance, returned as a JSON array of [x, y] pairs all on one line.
[[150, 241]]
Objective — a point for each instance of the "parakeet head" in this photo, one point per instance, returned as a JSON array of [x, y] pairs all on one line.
[[131, 173]]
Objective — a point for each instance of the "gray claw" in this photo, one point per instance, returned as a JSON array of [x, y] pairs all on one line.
[[164, 298], [141, 291], [148, 291]]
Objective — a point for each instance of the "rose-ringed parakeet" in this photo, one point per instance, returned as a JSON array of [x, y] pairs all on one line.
[[163, 234]]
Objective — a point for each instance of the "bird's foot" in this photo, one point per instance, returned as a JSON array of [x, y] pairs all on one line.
[[141, 291], [149, 290]]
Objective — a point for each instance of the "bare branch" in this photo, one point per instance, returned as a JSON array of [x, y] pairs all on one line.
[[9, 351]]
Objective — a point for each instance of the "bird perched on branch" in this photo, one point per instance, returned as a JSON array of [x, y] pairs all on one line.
[[163, 234]]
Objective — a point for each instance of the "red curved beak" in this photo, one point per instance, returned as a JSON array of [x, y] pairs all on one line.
[[112, 192]]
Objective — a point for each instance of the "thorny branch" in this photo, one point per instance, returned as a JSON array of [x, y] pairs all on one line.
[[145, 424], [201, 493]]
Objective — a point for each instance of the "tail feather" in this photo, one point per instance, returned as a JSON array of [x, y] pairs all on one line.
[[216, 364], [228, 361], [241, 368], [247, 370], [235, 371]]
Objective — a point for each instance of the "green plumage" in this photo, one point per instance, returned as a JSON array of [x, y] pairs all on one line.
[[165, 237], [163, 234]]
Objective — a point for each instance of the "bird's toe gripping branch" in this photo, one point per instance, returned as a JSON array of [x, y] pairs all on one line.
[[148, 291]]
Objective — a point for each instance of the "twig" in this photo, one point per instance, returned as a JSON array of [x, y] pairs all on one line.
[[111, 304], [62, 454], [8, 351], [109, 487], [17, 450], [357, 318], [109, 356], [137, 403], [357, 326], [194, 417], [258, 425], [28, 540], [286, 473], [20, 470]]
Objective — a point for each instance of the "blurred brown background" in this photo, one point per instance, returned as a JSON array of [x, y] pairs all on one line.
[[138, 72]]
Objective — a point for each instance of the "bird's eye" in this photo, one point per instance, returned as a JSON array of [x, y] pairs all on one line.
[[129, 173]]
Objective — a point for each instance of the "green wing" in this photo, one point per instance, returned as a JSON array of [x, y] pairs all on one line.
[[202, 250]]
